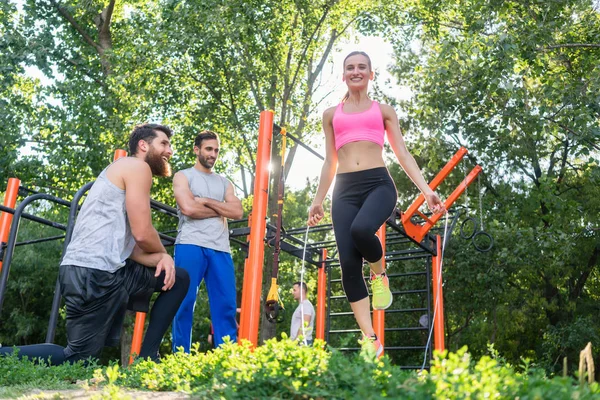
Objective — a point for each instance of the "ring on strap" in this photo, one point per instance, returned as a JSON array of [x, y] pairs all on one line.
[[466, 235], [481, 248]]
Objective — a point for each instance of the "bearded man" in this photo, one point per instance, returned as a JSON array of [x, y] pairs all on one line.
[[205, 200]]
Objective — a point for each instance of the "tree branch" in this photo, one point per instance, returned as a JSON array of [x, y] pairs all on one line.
[[569, 46], [87, 38]]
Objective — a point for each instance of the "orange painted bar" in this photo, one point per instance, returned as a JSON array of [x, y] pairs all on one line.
[[138, 333], [379, 315], [10, 200], [321, 289], [418, 232], [438, 322], [435, 183], [119, 153], [246, 270], [252, 285]]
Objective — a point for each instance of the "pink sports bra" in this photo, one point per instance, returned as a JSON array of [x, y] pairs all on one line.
[[367, 125]]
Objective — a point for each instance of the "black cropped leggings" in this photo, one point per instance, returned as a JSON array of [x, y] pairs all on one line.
[[362, 202]]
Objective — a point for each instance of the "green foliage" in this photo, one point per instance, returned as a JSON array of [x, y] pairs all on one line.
[[283, 369], [517, 84]]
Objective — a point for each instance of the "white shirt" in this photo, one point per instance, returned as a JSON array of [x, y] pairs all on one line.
[[307, 308]]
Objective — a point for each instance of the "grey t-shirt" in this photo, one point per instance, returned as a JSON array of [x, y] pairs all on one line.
[[307, 308], [102, 236], [212, 233]]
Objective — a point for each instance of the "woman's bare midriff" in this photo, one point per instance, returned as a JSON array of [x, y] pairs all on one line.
[[358, 156]]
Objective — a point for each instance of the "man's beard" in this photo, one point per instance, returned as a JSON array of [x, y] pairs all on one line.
[[158, 166], [205, 163]]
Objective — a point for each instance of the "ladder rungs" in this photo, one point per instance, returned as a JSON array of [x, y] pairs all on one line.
[[385, 348], [415, 273], [394, 293], [408, 328], [403, 310]]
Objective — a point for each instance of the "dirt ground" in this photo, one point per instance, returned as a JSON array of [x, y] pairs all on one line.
[[81, 394]]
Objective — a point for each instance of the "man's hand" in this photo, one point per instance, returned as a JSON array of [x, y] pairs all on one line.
[[166, 264]]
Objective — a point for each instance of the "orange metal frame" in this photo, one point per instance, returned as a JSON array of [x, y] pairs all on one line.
[[321, 298], [418, 232], [10, 200], [254, 266], [379, 315], [252, 285]]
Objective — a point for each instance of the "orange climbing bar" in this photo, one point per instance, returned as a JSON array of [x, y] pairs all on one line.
[[438, 298], [138, 333], [243, 303], [321, 298], [10, 200], [119, 153], [253, 272], [418, 232], [434, 183], [379, 315]]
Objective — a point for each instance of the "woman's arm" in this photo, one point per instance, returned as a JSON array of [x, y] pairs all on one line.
[[316, 212], [406, 159]]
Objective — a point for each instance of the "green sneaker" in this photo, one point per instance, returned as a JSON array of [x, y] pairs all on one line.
[[371, 348], [382, 296]]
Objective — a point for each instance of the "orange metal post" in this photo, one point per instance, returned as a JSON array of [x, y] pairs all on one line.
[[438, 298], [10, 200], [321, 288], [244, 296], [119, 153], [138, 332], [252, 286], [379, 315]]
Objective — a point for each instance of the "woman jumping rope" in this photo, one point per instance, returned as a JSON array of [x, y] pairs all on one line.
[[364, 195]]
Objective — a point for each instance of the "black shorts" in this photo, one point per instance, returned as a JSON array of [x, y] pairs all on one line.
[[96, 302]]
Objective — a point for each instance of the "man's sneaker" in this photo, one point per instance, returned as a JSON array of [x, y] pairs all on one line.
[[382, 296]]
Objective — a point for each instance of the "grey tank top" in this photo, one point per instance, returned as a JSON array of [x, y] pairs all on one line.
[[212, 233], [102, 236]]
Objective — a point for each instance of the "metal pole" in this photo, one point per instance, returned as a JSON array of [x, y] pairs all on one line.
[[253, 273]]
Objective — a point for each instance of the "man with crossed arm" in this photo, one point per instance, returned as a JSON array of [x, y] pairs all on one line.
[[205, 200]]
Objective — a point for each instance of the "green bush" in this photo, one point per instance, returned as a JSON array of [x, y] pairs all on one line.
[[284, 370]]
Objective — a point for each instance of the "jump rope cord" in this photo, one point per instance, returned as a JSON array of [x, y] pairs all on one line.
[[439, 280], [302, 286]]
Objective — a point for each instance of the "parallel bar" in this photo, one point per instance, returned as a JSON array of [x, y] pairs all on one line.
[[43, 221], [434, 183], [12, 237]]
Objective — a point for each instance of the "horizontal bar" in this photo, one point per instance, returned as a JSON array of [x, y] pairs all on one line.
[[386, 348], [48, 239], [40, 220], [347, 313]]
